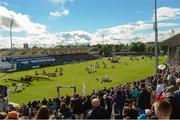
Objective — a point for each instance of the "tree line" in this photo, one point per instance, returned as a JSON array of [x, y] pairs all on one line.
[[107, 49]]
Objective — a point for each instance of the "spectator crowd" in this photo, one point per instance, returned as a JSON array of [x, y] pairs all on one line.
[[155, 97]]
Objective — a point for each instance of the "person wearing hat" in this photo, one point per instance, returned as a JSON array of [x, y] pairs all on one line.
[[13, 115]]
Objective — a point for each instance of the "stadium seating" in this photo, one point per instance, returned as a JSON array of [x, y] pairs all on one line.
[[32, 58]]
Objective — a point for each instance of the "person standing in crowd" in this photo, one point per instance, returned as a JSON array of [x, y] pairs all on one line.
[[143, 99], [162, 109], [97, 112], [172, 84], [43, 113], [25, 114], [108, 103], [152, 94], [65, 111], [87, 105], [44, 102], [118, 101], [135, 93], [130, 111], [77, 107], [159, 88], [54, 105], [176, 107]]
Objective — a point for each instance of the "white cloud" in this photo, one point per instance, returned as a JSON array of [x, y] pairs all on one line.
[[163, 35], [49, 40], [126, 33], [140, 22], [74, 37], [168, 25], [167, 13], [115, 35], [63, 12], [22, 23], [81, 37]]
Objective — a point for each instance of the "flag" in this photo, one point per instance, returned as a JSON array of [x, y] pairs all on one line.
[[84, 89]]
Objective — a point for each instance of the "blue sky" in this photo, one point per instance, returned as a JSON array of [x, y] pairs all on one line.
[[90, 16]]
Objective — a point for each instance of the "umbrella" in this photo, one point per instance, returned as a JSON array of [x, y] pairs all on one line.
[[162, 67]]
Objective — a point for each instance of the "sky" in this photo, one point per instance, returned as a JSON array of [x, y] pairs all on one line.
[[47, 23]]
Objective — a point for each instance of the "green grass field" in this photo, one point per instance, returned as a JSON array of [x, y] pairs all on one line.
[[75, 73]]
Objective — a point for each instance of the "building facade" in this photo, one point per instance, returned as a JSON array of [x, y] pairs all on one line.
[[173, 44]]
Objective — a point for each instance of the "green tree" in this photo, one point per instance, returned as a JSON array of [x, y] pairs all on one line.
[[137, 47], [141, 47], [133, 47], [164, 48]]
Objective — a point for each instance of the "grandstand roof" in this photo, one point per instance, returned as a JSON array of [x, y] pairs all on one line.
[[42, 52], [172, 41], [24, 52]]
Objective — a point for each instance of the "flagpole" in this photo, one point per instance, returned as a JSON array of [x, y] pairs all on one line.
[[11, 24], [156, 36]]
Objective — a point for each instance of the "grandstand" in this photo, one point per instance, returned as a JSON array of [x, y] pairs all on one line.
[[173, 44], [38, 57], [4, 65]]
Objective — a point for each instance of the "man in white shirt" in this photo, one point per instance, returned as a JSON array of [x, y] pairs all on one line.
[[160, 87]]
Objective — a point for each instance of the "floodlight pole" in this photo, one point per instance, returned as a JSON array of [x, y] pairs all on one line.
[[156, 36], [12, 20]]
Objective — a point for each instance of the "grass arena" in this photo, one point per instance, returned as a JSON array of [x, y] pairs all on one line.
[[93, 74]]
